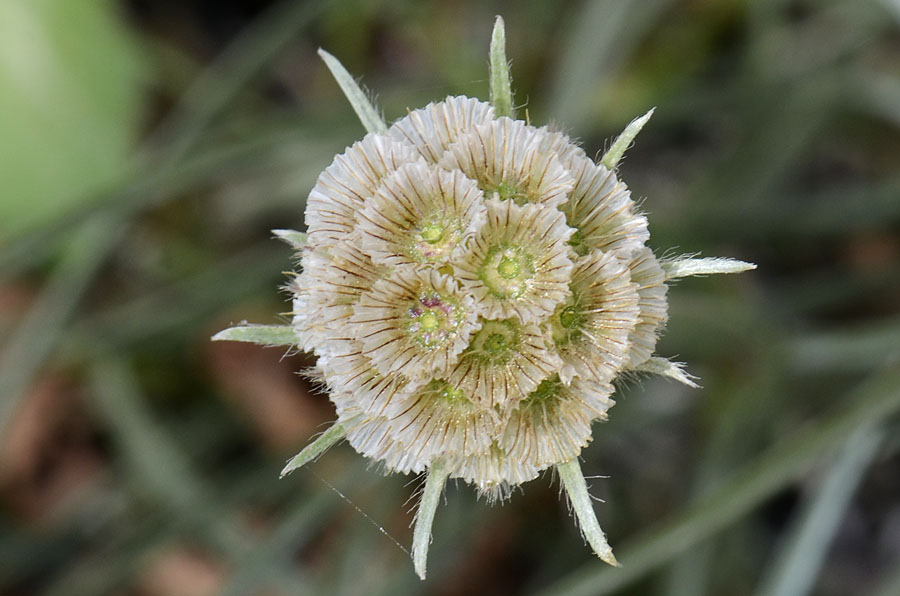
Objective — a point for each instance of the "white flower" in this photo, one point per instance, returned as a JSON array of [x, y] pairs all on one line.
[[472, 286]]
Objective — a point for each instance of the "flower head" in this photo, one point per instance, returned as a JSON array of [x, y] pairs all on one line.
[[472, 286]]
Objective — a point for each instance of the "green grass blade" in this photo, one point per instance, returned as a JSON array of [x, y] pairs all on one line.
[[796, 566], [368, 115]]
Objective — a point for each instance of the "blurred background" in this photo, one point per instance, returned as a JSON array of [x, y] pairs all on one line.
[[147, 147]]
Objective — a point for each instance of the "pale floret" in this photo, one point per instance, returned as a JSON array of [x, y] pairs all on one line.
[[505, 361], [591, 329], [331, 283], [493, 472], [354, 383], [343, 188], [414, 322], [442, 419], [519, 262], [649, 277], [601, 210], [553, 424], [432, 129], [510, 160], [420, 214]]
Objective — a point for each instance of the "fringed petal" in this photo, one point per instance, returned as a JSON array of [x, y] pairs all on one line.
[[650, 278], [553, 424], [591, 329], [414, 322], [519, 261], [505, 361], [343, 188], [421, 214], [601, 210], [509, 159], [432, 129]]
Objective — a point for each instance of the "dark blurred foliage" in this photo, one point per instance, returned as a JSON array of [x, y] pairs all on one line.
[[137, 457]]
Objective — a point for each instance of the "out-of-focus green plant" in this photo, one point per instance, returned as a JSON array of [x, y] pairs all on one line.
[[70, 101]]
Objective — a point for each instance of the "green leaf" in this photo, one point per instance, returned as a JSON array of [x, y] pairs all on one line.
[[70, 101], [685, 267], [614, 154], [364, 109], [576, 488], [666, 368], [266, 335], [324, 442], [431, 496], [295, 239], [501, 92]]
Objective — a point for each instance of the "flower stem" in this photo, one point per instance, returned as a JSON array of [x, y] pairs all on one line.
[[501, 93], [573, 481], [434, 486]]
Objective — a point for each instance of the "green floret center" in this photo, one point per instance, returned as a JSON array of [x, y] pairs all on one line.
[[496, 342], [432, 232], [433, 319], [506, 271], [434, 238], [548, 389], [439, 389], [508, 268], [567, 322]]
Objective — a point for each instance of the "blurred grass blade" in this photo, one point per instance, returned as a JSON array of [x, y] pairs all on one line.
[[797, 565], [876, 399], [265, 335], [39, 332], [501, 90], [573, 481], [860, 348], [319, 446], [364, 109], [431, 496], [600, 40], [295, 239], [666, 368], [614, 154], [709, 266], [890, 584]]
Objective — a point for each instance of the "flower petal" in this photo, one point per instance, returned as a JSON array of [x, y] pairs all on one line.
[[420, 214], [436, 126], [518, 263], [414, 322], [591, 329], [511, 160]]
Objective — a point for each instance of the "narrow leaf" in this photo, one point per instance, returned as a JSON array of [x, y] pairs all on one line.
[[324, 442], [295, 239], [614, 155], [434, 486], [573, 481], [686, 267], [501, 92], [364, 109], [666, 368], [266, 335], [797, 565]]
